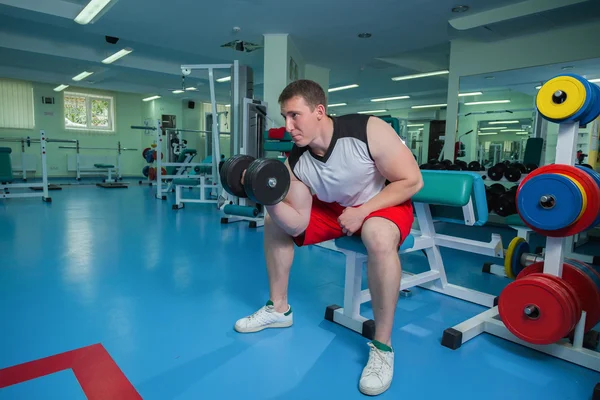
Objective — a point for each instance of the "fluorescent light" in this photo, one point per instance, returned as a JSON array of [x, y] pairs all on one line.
[[335, 89], [61, 87], [430, 106], [475, 103], [226, 79], [191, 88], [494, 128], [415, 76], [487, 133], [337, 105], [82, 75], [511, 130], [90, 11], [538, 87], [178, 91], [414, 125], [470, 94], [522, 133], [391, 98], [594, 80], [151, 98], [371, 112], [116, 56], [503, 122]]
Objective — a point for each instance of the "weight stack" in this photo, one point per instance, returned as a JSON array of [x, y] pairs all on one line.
[[542, 309]]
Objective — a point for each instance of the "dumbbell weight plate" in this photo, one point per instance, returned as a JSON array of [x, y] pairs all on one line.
[[267, 181], [512, 174], [497, 171], [231, 174]]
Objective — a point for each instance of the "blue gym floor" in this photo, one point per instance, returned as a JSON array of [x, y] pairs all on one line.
[[160, 290]]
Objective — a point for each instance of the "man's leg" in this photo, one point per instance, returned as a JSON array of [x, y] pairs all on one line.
[[279, 253], [381, 237]]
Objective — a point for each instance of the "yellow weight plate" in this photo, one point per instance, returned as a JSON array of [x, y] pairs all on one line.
[[583, 196], [509, 254], [576, 95]]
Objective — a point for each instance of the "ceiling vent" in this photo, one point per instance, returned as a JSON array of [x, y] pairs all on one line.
[[240, 45]]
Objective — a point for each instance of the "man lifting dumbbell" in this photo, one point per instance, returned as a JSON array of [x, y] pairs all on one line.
[[337, 172]]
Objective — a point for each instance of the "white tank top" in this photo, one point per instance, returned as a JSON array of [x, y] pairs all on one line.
[[346, 174]]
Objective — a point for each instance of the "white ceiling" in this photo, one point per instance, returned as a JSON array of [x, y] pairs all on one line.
[[39, 41]]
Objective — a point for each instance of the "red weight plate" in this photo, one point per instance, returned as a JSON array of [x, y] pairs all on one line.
[[555, 319], [592, 192], [580, 286]]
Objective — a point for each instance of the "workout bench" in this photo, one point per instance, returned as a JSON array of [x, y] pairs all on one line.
[[109, 182], [451, 196]]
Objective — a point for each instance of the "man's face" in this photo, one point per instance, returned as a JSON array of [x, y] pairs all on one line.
[[300, 121]]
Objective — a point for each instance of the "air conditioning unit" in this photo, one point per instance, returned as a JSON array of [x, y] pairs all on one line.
[[423, 115]]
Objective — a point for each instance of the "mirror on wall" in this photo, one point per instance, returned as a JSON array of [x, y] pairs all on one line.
[[498, 109]]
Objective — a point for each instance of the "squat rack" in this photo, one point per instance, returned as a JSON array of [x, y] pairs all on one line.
[[43, 140]]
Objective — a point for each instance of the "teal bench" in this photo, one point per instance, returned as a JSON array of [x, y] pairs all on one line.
[[6, 174], [449, 196]]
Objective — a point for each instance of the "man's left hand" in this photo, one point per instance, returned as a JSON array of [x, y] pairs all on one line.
[[352, 219]]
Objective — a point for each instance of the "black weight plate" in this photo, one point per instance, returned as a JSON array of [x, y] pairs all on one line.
[[474, 166], [496, 172], [519, 166], [462, 165], [425, 166], [506, 205], [267, 181], [530, 167], [447, 162], [453, 167], [498, 188], [231, 174], [512, 174]]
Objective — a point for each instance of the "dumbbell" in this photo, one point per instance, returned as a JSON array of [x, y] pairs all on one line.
[[266, 181]]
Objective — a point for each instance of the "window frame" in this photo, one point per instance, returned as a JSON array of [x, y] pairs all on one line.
[[88, 106]]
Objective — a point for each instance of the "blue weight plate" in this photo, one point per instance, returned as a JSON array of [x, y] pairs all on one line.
[[596, 177], [521, 249], [566, 208], [588, 103], [594, 108]]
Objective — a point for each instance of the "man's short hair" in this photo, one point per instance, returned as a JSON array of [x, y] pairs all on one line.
[[311, 91]]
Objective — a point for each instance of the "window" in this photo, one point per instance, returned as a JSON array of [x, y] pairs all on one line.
[[89, 112], [16, 104]]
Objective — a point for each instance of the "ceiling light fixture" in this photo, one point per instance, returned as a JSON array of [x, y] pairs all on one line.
[[460, 9], [476, 103], [567, 68], [522, 133], [337, 105], [511, 130], [178, 91], [365, 35], [60, 88], [225, 79], [335, 89], [487, 133], [594, 80], [191, 89], [391, 98], [470, 94], [116, 56], [414, 125], [494, 128], [371, 111], [151, 98], [423, 75], [430, 106], [503, 122], [89, 12], [82, 75]]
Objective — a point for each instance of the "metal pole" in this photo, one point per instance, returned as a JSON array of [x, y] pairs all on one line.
[[216, 156], [158, 161], [43, 141]]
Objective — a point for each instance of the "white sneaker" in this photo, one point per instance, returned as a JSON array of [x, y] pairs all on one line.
[[265, 317], [377, 375]]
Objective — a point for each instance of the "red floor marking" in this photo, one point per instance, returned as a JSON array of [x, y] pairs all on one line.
[[99, 376]]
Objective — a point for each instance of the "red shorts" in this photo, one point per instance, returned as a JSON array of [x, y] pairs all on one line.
[[324, 225]]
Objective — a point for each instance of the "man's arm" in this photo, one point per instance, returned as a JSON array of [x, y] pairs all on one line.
[[293, 213], [395, 162]]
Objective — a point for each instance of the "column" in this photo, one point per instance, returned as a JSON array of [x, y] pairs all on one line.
[[276, 65], [319, 75]]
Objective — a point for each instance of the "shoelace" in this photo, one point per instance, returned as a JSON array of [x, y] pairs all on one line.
[[379, 359], [260, 314]]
